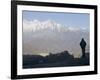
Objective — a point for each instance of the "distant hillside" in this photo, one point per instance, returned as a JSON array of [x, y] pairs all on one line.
[[54, 60]]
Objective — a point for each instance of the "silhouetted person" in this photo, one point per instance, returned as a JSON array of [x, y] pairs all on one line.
[[83, 45]]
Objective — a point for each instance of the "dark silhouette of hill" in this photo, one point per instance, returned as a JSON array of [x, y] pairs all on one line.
[[54, 60]]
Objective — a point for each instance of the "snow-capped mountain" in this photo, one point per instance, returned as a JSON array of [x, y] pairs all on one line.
[[37, 25], [52, 37]]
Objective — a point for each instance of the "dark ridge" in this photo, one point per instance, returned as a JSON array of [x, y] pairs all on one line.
[[54, 60]]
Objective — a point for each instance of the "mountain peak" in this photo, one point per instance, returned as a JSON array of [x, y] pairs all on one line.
[[37, 25]]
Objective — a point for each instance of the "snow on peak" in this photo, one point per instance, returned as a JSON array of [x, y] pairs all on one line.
[[37, 25]]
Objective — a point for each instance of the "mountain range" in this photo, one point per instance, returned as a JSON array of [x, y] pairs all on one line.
[[44, 37], [37, 25]]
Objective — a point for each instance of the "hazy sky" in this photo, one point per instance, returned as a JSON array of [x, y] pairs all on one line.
[[69, 19], [53, 41]]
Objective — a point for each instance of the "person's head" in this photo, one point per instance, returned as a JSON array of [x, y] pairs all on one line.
[[82, 38]]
